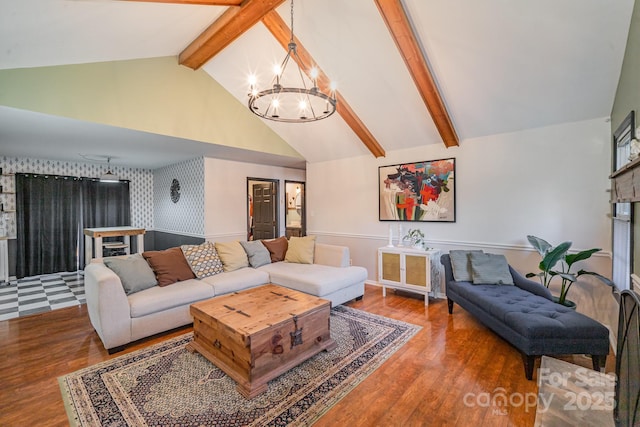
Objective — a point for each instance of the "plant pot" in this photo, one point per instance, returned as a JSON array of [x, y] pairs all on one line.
[[567, 303]]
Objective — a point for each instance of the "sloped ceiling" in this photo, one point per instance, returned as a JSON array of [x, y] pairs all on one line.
[[500, 65]]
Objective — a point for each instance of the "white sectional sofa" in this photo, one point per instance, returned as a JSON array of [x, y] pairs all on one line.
[[119, 318]]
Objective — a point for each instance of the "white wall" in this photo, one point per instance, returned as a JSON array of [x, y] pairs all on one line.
[[551, 182], [225, 202]]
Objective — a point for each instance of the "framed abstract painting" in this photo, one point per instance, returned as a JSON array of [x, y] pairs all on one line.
[[420, 191]]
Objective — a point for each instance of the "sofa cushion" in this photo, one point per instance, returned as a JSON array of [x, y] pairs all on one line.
[[490, 269], [133, 271], [301, 249], [461, 264], [232, 255], [159, 299], [170, 266], [556, 322], [258, 254], [237, 280], [277, 248], [203, 259], [500, 301], [314, 279]]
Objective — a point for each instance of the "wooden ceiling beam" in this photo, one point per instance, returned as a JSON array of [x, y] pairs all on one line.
[[228, 27], [282, 33], [200, 2], [398, 24]]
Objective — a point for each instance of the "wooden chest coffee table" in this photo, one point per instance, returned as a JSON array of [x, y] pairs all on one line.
[[258, 334]]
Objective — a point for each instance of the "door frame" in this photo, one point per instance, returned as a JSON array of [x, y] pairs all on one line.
[[276, 202], [303, 207]]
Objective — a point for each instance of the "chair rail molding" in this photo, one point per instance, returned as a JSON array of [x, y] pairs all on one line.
[[456, 243], [178, 233]]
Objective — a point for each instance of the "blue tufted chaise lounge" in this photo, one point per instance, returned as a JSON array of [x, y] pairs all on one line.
[[526, 317]]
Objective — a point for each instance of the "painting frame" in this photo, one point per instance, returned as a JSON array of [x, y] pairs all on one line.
[[422, 191]]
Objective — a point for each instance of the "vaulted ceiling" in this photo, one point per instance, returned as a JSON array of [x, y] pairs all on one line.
[[409, 73]]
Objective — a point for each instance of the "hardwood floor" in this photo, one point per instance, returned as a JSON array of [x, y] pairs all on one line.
[[441, 377]]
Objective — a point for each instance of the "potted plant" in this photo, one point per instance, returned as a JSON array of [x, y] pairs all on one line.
[[416, 237], [551, 256]]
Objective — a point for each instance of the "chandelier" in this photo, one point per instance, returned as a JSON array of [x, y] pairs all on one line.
[[300, 103]]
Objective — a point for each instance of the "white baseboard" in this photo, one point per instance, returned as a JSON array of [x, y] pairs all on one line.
[[439, 295]]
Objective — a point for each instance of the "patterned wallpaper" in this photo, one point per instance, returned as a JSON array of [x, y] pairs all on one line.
[[186, 216], [140, 187]]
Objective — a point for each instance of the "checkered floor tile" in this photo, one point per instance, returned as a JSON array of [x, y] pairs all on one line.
[[38, 294]]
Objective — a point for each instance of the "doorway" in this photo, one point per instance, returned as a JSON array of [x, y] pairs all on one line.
[[262, 208], [295, 218]]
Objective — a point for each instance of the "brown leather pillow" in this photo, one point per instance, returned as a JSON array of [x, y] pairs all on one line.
[[170, 266], [277, 248]]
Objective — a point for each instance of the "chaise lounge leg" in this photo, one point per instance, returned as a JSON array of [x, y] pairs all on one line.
[[598, 362], [529, 363], [115, 349], [359, 298], [450, 304]]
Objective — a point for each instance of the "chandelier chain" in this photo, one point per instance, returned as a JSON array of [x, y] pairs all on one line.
[[291, 21]]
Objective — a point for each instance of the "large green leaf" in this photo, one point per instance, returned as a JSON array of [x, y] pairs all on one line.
[[554, 255], [541, 245], [599, 276], [570, 259]]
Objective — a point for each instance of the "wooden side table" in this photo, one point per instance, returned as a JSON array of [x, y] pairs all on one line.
[[414, 270], [93, 239]]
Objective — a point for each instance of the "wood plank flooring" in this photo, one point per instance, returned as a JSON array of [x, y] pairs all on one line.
[[442, 377]]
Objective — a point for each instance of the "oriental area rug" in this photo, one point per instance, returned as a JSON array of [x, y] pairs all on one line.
[[166, 385]]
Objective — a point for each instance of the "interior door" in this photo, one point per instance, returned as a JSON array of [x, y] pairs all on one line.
[[264, 210]]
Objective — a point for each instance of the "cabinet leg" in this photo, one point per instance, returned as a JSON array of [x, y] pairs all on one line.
[[384, 292]]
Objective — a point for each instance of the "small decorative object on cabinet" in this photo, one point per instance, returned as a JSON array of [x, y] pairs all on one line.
[[414, 270]]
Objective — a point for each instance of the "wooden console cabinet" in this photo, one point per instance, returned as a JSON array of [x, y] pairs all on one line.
[[413, 270]]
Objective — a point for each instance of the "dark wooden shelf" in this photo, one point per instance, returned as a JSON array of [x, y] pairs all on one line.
[[631, 165], [625, 183]]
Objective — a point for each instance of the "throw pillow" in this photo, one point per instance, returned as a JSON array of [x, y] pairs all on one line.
[[232, 255], [490, 269], [170, 266], [258, 254], [203, 259], [277, 248], [301, 250], [461, 265], [133, 271]]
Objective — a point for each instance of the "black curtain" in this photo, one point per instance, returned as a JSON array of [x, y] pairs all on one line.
[[51, 212], [46, 211], [104, 204]]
